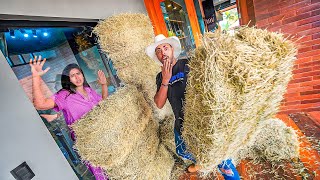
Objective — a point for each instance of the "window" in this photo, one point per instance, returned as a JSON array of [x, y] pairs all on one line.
[[60, 46]]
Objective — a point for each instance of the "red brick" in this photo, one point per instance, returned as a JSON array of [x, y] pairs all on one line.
[[315, 68], [310, 101], [305, 49], [296, 1], [316, 36], [292, 103], [316, 87], [299, 89], [315, 12], [267, 15], [307, 74], [315, 58], [292, 95], [259, 12], [316, 47], [274, 29], [301, 106], [289, 111], [310, 92], [303, 39], [312, 109], [310, 83], [308, 20], [280, 17], [264, 5], [310, 43], [316, 77], [303, 60], [291, 25], [273, 6], [305, 97], [262, 22], [275, 24], [312, 63], [307, 8], [302, 70], [295, 6], [297, 18], [316, 24], [298, 29], [305, 79], [309, 53], [309, 31], [291, 86]]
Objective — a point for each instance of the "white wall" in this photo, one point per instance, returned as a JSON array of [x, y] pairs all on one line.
[[23, 135], [88, 9]]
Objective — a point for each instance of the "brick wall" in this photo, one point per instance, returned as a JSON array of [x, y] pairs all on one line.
[[300, 18]]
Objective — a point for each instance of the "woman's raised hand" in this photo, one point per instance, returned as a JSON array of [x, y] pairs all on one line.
[[102, 80], [36, 66]]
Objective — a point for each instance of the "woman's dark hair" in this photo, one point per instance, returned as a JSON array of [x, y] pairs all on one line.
[[65, 79]]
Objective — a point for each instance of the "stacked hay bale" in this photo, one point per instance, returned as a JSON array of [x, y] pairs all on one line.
[[121, 134], [124, 38], [234, 83], [108, 133]]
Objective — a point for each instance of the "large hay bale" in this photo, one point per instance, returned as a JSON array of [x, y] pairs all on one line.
[[108, 133], [273, 142], [234, 82], [124, 38], [148, 160]]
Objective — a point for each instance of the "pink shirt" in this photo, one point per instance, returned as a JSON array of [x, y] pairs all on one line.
[[74, 106]]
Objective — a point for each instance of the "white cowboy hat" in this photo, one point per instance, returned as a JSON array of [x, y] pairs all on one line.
[[161, 39]]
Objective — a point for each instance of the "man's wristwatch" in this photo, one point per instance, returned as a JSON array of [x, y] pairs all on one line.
[[165, 85], [59, 114]]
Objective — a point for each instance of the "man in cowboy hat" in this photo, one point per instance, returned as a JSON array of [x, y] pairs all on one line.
[[171, 85]]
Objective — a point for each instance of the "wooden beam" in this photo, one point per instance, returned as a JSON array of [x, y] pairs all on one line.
[[161, 22], [243, 11], [152, 15], [193, 21]]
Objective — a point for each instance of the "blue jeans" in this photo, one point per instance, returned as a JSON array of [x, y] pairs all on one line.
[[181, 149], [228, 170]]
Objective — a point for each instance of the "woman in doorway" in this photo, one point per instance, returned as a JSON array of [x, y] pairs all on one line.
[[75, 99]]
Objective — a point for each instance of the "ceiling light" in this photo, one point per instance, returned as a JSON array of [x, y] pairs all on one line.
[[12, 34], [34, 33]]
